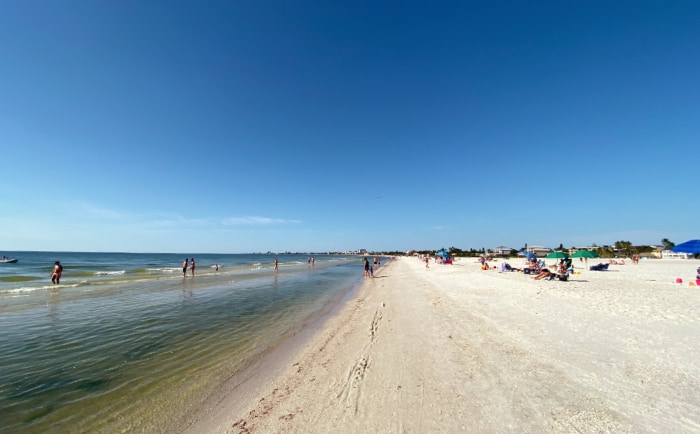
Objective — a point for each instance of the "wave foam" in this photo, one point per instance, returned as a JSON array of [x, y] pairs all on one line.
[[110, 273]]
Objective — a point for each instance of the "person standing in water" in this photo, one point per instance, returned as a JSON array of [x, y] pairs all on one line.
[[56, 273], [192, 266], [184, 267], [276, 264]]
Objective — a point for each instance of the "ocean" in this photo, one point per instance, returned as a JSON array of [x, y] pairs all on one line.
[[126, 343]]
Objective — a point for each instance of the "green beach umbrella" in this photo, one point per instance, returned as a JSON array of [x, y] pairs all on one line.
[[585, 254], [557, 255]]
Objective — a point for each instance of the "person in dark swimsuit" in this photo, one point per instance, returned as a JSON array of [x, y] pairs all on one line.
[[56, 273], [184, 268]]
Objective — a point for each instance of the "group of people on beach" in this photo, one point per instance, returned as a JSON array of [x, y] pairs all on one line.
[[58, 270], [562, 272], [536, 268], [369, 268], [191, 267]]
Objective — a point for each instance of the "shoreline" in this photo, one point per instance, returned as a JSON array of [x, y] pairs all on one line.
[[238, 393], [455, 348]]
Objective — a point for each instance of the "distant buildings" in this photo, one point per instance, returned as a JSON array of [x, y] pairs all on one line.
[[539, 250], [667, 254], [502, 251]]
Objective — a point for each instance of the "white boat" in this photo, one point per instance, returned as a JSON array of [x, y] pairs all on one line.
[[8, 260]]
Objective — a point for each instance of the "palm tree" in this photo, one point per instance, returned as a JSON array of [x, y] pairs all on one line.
[[667, 244], [624, 246]]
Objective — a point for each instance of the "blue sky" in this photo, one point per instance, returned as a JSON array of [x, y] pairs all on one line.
[[247, 126]]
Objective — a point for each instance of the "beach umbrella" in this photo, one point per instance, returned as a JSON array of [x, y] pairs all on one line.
[[692, 246], [585, 254], [528, 255], [557, 255]]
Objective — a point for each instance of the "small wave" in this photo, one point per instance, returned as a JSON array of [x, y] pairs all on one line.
[[25, 289], [163, 270], [110, 273]]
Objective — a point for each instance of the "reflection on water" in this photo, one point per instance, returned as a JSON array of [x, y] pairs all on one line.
[[52, 304], [136, 355]]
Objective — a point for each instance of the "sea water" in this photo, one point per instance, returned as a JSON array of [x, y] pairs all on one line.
[[126, 343]]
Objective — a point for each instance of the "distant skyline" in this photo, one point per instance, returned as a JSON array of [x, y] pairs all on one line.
[[234, 127]]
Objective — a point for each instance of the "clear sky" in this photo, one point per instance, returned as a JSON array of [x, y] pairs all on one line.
[[269, 125]]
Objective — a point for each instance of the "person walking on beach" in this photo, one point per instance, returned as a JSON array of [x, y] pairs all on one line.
[[366, 267], [56, 273], [276, 265], [192, 266], [184, 268]]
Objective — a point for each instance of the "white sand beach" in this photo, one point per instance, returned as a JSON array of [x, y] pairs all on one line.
[[453, 348]]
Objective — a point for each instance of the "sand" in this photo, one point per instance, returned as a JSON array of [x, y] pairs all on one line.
[[453, 348]]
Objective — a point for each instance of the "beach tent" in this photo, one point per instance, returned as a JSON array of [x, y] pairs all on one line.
[[442, 253], [691, 246]]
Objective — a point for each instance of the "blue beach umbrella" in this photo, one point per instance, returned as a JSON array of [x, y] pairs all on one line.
[[528, 255], [692, 246]]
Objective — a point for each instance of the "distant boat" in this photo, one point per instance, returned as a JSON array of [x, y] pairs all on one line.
[[8, 260]]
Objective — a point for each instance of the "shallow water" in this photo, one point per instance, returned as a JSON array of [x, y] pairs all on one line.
[[131, 351]]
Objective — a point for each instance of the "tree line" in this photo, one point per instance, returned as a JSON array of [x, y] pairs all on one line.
[[619, 248]]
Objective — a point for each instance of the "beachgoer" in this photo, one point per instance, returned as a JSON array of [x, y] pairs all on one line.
[[544, 274], [427, 261], [276, 264], [216, 267], [184, 267], [366, 263], [56, 273], [192, 266], [531, 266]]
